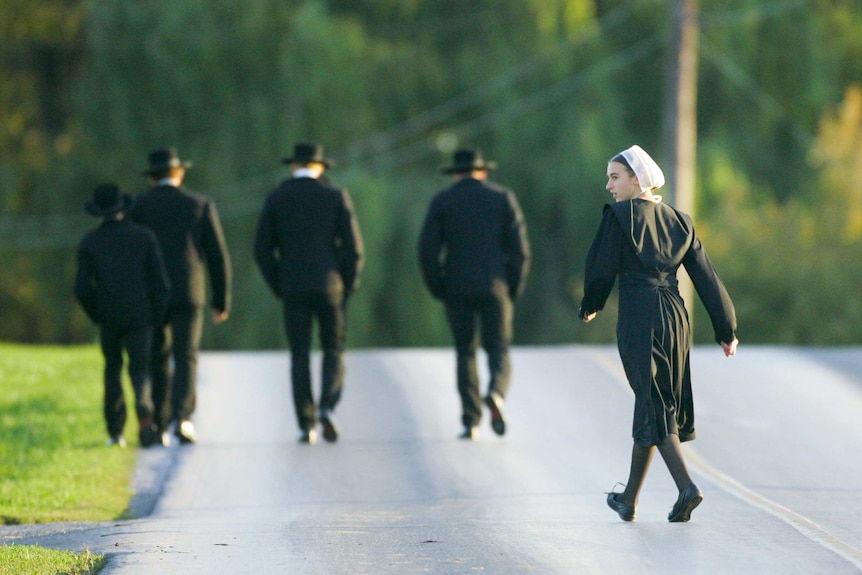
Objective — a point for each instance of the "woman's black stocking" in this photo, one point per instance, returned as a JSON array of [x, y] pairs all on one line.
[[671, 451], [641, 458]]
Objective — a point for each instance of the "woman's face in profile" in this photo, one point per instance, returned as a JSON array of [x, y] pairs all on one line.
[[621, 184]]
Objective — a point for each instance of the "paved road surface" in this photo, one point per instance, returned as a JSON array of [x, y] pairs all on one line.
[[778, 459]]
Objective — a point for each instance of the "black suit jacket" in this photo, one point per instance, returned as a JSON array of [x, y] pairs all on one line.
[[308, 239], [190, 234], [474, 240], [121, 279]]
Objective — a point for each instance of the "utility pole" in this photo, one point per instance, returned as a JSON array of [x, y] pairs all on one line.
[[680, 114]]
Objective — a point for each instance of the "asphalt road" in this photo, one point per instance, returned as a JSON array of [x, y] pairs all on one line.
[[777, 457]]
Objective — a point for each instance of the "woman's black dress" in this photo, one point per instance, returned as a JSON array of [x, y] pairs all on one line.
[[644, 242]]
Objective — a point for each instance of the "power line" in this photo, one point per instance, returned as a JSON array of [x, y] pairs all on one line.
[[749, 14], [62, 236], [424, 121], [536, 101], [765, 101], [386, 149], [410, 153], [383, 149]]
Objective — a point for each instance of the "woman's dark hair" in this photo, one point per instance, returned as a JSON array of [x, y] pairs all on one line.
[[620, 159]]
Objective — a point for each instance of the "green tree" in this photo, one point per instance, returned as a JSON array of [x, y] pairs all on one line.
[[550, 89], [40, 49]]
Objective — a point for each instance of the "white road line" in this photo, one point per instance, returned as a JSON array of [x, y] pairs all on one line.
[[808, 528], [728, 484]]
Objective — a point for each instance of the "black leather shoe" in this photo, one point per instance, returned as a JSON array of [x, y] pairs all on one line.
[[330, 431], [615, 502], [689, 498], [148, 434], [495, 404]]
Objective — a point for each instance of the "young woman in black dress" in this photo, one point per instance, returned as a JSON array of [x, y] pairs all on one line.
[[643, 242]]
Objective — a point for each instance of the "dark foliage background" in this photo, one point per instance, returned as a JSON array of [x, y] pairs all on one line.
[[549, 88]]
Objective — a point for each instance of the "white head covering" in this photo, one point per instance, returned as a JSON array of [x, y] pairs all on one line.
[[649, 174]]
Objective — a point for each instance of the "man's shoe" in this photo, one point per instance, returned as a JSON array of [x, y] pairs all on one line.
[[148, 433], [689, 498], [165, 438], [186, 432], [495, 404], [615, 502], [470, 433], [308, 436], [330, 431], [117, 440]]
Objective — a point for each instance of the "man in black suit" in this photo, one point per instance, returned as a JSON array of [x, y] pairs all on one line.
[[474, 255], [190, 234], [309, 249], [122, 285]]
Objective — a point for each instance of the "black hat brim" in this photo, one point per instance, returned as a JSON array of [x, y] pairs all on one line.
[[328, 163], [123, 205], [159, 169], [464, 168]]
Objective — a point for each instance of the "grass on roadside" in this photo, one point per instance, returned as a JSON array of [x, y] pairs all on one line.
[[31, 560], [53, 459]]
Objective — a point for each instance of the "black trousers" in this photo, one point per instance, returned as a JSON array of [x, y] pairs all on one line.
[[137, 344], [300, 312], [491, 315], [174, 391]]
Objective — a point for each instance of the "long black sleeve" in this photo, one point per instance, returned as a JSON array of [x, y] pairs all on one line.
[[430, 246], [352, 247], [517, 248], [85, 288], [711, 291], [158, 285], [603, 264], [265, 246], [217, 258]]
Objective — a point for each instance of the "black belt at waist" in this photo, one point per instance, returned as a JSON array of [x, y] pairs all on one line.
[[643, 279]]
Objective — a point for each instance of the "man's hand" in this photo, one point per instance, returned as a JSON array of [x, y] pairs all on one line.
[[219, 316]]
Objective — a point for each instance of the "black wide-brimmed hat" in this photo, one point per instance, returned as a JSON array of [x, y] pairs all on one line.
[[107, 200], [466, 161], [309, 153], [164, 159]]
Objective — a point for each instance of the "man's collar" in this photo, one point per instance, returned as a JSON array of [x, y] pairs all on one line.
[[304, 173]]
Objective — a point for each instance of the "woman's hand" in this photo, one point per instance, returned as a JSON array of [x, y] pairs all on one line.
[[590, 316], [730, 348]]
